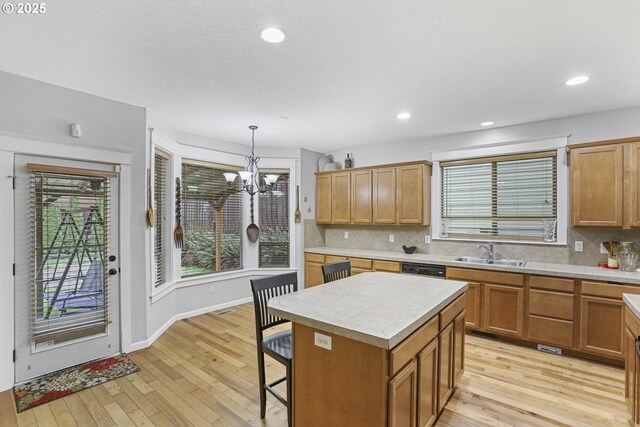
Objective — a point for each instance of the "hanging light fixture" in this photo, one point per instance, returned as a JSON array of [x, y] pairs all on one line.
[[251, 175]]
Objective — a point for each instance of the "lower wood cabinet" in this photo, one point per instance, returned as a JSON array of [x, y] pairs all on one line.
[[313, 269], [313, 266], [632, 365], [458, 347], [473, 307], [428, 384], [503, 309], [403, 397], [445, 354]]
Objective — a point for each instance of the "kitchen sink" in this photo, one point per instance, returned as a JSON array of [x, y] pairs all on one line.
[[502, 262]]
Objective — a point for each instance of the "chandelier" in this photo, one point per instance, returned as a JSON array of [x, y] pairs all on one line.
[[251, 175]]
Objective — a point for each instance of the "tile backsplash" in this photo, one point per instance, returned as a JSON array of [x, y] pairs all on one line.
[[377, 238]]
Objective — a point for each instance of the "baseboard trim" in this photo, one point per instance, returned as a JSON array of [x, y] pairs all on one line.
[[180, 316]]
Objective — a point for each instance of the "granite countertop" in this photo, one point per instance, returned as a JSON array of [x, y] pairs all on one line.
[[380, 309], [540, 268], [633, 302]]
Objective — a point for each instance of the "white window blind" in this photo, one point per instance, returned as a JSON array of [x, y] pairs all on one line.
[[505, 197], [273, 245], [211, 219], [161, 165]]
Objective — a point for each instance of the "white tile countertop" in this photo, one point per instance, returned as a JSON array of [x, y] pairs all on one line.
[[380, 309], [540, 268], [633, 302]]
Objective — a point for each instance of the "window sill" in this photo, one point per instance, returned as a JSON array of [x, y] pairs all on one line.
[[215, 277], [498, 241]]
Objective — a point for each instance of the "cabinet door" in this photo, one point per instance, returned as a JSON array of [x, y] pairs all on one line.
[[384, 196], [632, 192], [445, 357], [601, 326], [323, 199], [313, 274], [597, 175], [428, 385], [630, 373], [362, 197], [503, 309], [458, 348], [413, 201], [403, 397], [341, 198], [473, 298]]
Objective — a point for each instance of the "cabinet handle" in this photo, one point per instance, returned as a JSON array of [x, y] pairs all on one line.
[[638, 346]]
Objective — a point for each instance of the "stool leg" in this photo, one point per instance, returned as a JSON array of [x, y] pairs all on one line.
[[289, 395], [261, 380]]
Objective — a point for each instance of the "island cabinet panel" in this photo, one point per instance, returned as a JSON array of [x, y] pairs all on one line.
[[458, 347], [352, 377], [323, 199], [597, 178], [445, 358], [503, 309], [313, 270], [341, 198], [362, 197], [384, 196], [428, 385], [414, 193], [632, 365], [403, 397], [473, 306]]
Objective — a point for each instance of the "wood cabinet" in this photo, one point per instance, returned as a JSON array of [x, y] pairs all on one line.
[[313, 269], [403, 397], [428, 385], [414, 194], [387, 194], [362, 197], [360, 265], [387, 266], [605, 183], [313, 266], [504, 309], [473, 307], [445, 355], [323, 199], [551, 311], [458, 347], [631, 365], [384, 196]]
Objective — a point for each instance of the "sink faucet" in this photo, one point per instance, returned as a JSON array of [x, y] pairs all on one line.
[[491, 254]]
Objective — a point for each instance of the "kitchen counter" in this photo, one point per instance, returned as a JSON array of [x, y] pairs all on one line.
[[539, 268], [379, 309]]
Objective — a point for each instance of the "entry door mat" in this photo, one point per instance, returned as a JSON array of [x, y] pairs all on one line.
[[71, 380]]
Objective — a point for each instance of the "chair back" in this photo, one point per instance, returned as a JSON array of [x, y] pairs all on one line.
[[263, 290], [336, 271]]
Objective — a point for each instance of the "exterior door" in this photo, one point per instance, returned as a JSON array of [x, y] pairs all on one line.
[[66, 262]]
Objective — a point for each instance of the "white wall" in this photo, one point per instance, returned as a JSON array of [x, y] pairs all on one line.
[[584, 128]]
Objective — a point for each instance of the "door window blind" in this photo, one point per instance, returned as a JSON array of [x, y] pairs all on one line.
[[161, 165], [274, 245], [211, 219], [506, 197], [69, 241]]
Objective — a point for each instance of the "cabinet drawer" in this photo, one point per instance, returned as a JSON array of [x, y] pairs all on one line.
[[451, 311], [485, 276], [390, 266], [360, 263], [551, 331], [551, 304], [407, 349], [551, 283], [607, 290], [334, 258], [314, 257]]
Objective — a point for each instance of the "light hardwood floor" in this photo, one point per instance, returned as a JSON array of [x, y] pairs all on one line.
[[203, 372]]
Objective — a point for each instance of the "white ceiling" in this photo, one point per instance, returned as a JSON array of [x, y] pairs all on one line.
[[346, 68]]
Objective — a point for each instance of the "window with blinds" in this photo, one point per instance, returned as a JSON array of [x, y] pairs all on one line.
[[161, 167], [506, 197], [273, 207], [211, 219]]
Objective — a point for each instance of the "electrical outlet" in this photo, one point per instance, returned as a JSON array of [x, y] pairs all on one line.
[[603, 250], [346, 234], [579, 246], [212, 289], [392, 238], [427, 239], [322, 341]]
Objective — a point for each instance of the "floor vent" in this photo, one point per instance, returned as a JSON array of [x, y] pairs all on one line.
[[224, 312], [549, 349]]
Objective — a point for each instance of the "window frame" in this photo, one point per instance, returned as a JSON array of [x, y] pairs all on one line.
[[161, 214], [514, 148]]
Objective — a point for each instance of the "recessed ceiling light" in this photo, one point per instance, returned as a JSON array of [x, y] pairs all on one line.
[[577, 80], [487, 123], [403, 116], [272, 35]]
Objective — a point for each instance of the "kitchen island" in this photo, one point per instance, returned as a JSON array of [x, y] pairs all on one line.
[[375, 350]]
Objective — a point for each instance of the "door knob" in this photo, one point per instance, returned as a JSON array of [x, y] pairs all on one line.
[[113, 271], [112, 258]]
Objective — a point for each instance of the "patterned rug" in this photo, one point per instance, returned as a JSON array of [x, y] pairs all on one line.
[[71, 380]]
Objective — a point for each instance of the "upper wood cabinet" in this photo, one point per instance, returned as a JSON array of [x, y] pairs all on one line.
[[605, 183], [388, 194]]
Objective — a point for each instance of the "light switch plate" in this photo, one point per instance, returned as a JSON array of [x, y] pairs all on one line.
[[392, 238], [322, 341], [578, 246]]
